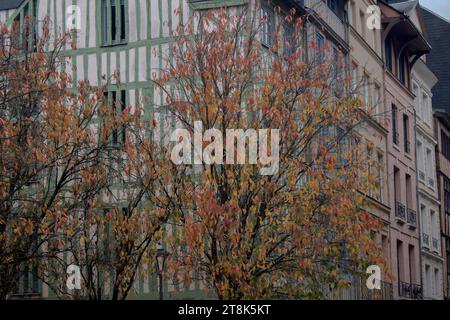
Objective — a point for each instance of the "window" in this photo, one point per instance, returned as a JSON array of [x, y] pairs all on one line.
[[289, 40], [267, 26], [406, 142], [417, 100], [447, 241], [394, 125], [362, 18], [400, 261], [447, 195], [351, 15], [354, 80], [433, 224], [402, 69], [388, 53], [445, 145], [28, 281], [337, 6], [412, 263], [338, 72], [377, 100], [425, 113], [114, 26], [343, 146], [379, 195], [409, 192], [429, 167], [428, 280], [397, 185], [369, 169], [25, 36], [420, 160], [376, 36], [385, 246], [366, 90], [106, 242], [117, 102], [437, 283], [424, 219], [320, 47], [333, 5]]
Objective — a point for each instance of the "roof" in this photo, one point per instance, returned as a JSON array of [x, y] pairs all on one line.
[[10, 4], [443, 117], [405, 31], [408, 8], [439, 59], [405, 7]]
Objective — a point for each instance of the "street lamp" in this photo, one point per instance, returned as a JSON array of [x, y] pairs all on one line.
[[161, 256]]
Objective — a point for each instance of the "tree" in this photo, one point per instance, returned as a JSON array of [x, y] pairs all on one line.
[[79, 183], [297, 230]]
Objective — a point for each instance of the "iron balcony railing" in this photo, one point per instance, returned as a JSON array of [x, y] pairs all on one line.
[[25, 296], [412, 218], [409, 290], [400, 212], [422, 175], [386, 292], [431, 182], [358, 290], [426, 239], [435, 243]]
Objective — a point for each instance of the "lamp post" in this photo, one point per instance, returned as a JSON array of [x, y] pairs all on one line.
[[161, 256]]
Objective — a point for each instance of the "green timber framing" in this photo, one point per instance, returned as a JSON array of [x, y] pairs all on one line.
[[150, 26], [128, 56]]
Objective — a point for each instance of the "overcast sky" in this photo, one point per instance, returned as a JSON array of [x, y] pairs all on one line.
[[441, 7]]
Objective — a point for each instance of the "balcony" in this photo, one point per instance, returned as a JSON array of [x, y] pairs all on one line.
[[359, 291], [426, 239], [409, 290], [431, 182], [435, 244], [329, 16], [400, 213], [385, 293], [412, 219], [422, 175], [25, 296]]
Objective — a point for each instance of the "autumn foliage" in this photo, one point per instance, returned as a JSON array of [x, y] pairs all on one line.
[[71, 193], [61, 168], [301, 232]]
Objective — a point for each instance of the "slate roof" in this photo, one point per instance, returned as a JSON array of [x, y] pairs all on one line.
[[439, 58], [10, 4], [404, 6]]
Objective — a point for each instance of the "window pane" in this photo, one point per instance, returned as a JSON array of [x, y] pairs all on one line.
[[122, 20], [105, 21], [113, 21]]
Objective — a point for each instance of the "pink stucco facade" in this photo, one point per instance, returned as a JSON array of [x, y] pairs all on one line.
[[404, 234]]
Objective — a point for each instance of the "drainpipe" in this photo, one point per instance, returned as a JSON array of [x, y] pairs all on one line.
[[419, 216]]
